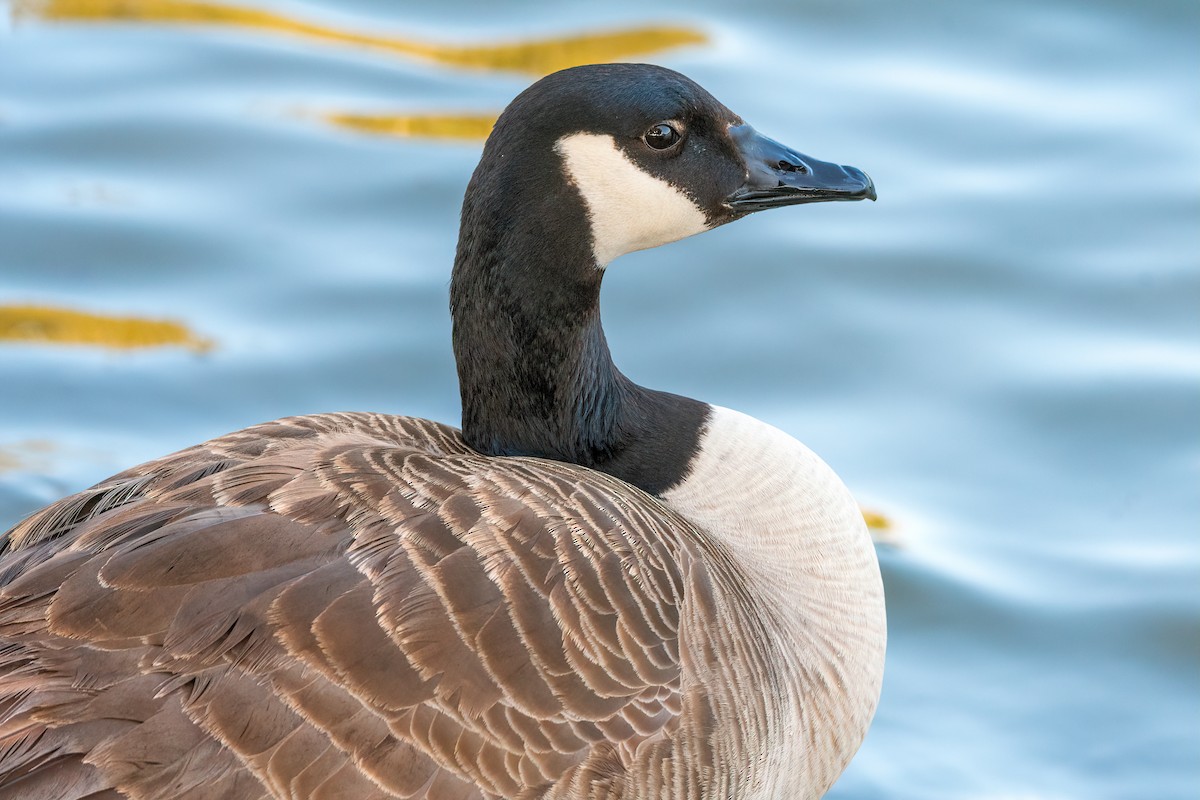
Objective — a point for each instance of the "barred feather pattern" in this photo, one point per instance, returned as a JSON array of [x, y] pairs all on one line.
[[358, 605]]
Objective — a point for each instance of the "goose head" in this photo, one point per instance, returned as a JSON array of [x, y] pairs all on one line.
[[650, 155], [585, 165]]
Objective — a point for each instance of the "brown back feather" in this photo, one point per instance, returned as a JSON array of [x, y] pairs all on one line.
[[345, 605]]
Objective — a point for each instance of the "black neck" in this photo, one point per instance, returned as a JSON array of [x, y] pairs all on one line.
[[534, 368]]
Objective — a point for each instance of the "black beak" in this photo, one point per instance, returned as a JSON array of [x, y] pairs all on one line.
[[779, 176]]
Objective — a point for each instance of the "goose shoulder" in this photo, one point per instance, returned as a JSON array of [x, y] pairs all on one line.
[[354, 588]]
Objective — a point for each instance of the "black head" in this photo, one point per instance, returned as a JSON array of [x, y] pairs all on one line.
[[654, 156], [585, 165]]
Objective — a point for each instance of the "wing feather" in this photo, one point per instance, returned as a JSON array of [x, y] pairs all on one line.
[[339, 606]]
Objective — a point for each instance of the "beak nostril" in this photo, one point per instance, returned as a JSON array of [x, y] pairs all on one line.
[[780, 176]]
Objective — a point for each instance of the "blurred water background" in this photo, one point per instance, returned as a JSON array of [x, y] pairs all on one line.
[[1002, 355]]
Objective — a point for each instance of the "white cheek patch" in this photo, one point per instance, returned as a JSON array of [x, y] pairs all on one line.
[[628, 208]]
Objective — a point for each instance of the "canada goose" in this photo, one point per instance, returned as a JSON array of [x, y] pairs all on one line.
[[594, 590]]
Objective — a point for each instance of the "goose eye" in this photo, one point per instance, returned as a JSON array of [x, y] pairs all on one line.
[[661, 136]]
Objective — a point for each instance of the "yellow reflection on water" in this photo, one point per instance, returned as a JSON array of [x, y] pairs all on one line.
[[60, 326], [46, 457], [882, 529], [33, 455], [536, 57], [465, 127], [876, 519]]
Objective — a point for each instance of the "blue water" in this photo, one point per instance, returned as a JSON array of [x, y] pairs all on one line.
[[1002, 354]]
